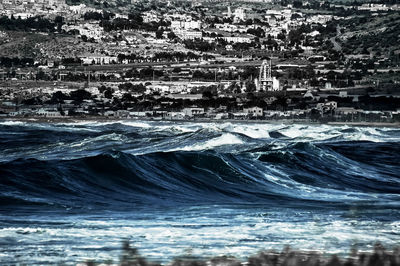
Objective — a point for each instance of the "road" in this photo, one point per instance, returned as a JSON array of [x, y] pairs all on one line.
[[168, 65], [336, 45]]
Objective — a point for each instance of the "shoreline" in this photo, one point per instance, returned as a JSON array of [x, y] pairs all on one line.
[[100, 119]]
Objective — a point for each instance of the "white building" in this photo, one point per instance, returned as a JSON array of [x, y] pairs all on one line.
[[192, 111], [327, 106], [150, 16], [48, 113], [265, 81], [81, 9], [322, 19], [373, 7], [88, 29], [226, 27], [243, 38], [240, 13], [187, 25], [254, 111], [189, 34], [98, 59]]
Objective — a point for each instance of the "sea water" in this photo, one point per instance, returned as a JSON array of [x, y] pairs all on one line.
[[72, 192]]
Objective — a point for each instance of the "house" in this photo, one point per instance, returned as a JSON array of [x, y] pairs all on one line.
[[226, 27], [373, 7], [238, 38], [309, 94], [239, 14], [122, 113], [23, 15], [90, 30], [221, 116], [98, 59], [187, 25], [189, 34], [150, 16], [327, 106], [138, 114], [109, 113], [240, 115], [48, 113], [254, 111], [193, 111], [346, 111], [174, 116]]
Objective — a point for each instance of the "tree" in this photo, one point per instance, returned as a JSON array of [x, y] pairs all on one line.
[[159, 34], [108, 94], [58, 97], [297, 4], [171, 35], [250, 87], [259, 32], [80, 95], [207, 94], [176, 70], [59, 20], [136, 18], [282, 36], [92, 16], [127, 97]]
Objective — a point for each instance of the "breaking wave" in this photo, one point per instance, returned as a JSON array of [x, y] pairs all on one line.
[[125, 163]]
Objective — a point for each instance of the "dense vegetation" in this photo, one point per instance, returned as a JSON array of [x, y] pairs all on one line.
[[39, 24], [16, 62], [378, 35]]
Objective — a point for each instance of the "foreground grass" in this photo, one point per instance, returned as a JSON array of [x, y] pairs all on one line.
[[378, 257]]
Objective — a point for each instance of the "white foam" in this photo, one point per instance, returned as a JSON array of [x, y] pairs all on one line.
[[317, 133], [109, 137], [364, 134], [12, 123], [225, 139], [138, 124], [89, 123], [184, 128], [254, 132], [62, 127], [240, 234]]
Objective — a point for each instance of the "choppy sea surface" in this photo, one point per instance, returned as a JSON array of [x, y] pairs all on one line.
[[70, 192]]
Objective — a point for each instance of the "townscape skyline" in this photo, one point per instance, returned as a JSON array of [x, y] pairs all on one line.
[[175, 60]]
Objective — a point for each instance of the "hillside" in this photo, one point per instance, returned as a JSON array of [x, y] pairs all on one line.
[[377, 35]]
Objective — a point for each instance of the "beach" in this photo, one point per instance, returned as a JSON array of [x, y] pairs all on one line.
[[73, 119]]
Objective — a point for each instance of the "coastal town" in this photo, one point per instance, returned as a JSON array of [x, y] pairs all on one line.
[[294, 60]]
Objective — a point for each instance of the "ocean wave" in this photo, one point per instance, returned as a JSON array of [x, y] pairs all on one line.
[[304, 172], [12, 123], [153, 162], [224, 139], [233, 187]]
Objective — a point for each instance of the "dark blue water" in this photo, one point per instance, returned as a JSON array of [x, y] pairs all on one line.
[[71, 192]]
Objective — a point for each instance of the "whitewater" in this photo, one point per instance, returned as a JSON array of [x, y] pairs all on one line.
[[72, 192]]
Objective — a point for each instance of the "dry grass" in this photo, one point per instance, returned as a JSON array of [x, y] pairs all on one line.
[[378, 257]]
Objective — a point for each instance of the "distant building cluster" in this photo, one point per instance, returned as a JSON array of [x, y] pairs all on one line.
[[168, 61], [28, 8]]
